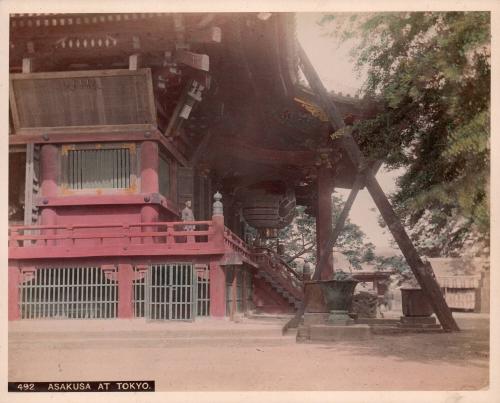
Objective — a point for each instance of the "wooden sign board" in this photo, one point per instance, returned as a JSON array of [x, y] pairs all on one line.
[[82, 100]]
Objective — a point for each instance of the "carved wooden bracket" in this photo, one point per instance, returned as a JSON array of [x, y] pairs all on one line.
[[110, 271], [202, 271], [140, 271], [27, 275]]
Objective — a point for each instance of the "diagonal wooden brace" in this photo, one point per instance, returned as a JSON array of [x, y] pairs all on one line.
[[423, 271]]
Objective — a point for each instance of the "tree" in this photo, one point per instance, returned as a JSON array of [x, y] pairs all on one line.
[[431, 72], [299, 240]]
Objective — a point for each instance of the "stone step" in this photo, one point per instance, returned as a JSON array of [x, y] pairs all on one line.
[[414, 320], [377, 321], [334, 333], [269, 317], [388, 330], [419, 325]]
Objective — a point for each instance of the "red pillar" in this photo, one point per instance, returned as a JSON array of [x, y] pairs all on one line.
[[244, 295], [324, 223], [48, 173], [125, 291], [234, 296], [149, 181], [14, 279], [217, 290], [149, 167], [218, 235]]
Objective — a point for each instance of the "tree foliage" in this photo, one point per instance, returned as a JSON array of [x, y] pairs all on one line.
[[299, 240], [431, 71]]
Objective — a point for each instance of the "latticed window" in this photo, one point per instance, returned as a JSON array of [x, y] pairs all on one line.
[[98, 167]]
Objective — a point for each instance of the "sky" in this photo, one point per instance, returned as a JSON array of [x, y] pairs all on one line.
[[336, 70]]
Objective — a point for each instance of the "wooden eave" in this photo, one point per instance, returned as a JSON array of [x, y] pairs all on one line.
[[255, 83]]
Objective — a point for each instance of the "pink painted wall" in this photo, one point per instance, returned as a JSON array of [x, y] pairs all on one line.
[[86, 208], [97, 215], [78, 215], [217, 290]]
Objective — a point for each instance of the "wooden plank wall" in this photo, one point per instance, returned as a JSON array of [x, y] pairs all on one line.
[[82, 99]]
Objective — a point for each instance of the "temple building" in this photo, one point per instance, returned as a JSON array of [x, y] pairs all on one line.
[[119, 122]]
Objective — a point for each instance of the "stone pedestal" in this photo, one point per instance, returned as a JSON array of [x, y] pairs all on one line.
[[339, 318], [326, 309]]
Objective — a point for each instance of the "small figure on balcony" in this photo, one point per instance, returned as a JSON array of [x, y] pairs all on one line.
[[187, 215]]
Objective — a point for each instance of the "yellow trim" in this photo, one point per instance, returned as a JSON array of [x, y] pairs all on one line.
[[65, 190], [313, 109]]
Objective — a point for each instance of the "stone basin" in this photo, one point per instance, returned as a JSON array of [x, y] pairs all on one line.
[[322, 296]]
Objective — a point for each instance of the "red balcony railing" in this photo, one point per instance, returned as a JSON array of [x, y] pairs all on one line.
[[157, 238], [234, 243], [145, 239]]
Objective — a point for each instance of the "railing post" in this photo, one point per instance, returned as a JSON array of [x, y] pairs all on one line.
[[170, 236], [125, 291], [149, 185], [218, 221], [70, 242], [127, 236], [14, 277], [49, 173], [244, 295], [13, 238]]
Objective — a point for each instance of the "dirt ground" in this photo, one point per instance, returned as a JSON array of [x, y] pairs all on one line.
[[252, 355]]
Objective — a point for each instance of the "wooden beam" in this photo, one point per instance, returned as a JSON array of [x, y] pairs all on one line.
[[134, 61], [205, 20], [28, 65], [248, 152], [423, 272], [324, 226], [105, 135], [195, 60], [167, 143], [41, 136], [180, 30], [233, 294], [175, 118], [201, 149], [210, 35], [339, 226], [46, 49]]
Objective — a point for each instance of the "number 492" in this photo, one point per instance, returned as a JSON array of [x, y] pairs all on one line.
[[26, 386]]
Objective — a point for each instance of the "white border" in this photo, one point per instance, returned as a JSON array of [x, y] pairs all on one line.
[[39, 6]]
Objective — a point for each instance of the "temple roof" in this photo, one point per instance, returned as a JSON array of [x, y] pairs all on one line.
[[256, 119]]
